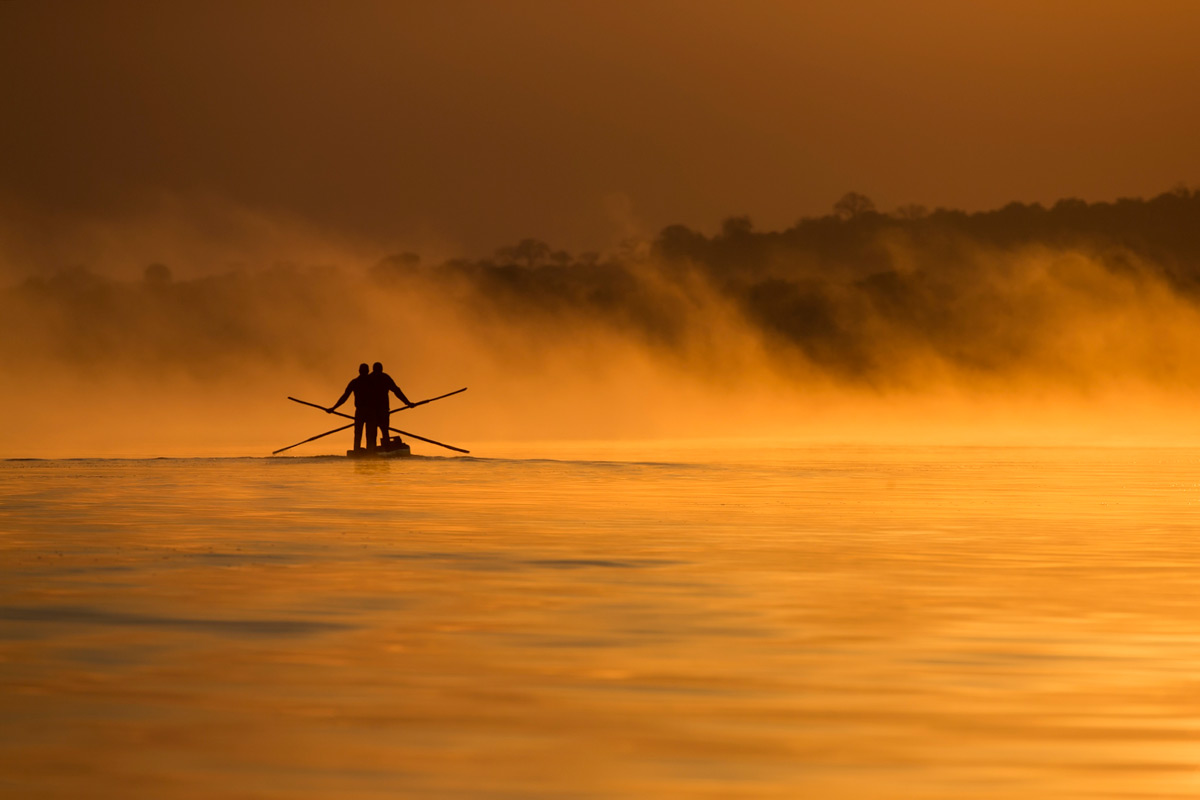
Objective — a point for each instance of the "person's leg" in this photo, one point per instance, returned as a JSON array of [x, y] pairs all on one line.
[[381, 422], [371, 426], [358, 432]]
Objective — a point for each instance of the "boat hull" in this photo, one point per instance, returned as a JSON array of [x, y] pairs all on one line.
[[391, 451]]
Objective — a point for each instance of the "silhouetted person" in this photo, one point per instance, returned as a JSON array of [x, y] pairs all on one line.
[[380, 386], [363, 390]]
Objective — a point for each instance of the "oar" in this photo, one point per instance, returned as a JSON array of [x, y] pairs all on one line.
[[393, 411], [431, 441], [430, 400], [313, 438]]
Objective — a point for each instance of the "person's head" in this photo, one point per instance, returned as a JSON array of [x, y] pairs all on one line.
[[362, 369], [376, 367]]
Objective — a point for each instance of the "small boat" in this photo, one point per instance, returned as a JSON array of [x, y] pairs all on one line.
[[389, 447], [393, 448]]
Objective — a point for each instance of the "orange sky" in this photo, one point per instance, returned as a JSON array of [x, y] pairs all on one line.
[[467, 125]]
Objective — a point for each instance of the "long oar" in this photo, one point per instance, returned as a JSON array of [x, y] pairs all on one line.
[[431, 441], [312, 438], [430, 400], [393, 411]]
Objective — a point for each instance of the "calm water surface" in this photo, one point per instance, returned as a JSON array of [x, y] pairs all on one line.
[[842, 623]]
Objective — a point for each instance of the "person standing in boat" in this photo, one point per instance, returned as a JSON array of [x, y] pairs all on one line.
[[381, 386], [362, 388]]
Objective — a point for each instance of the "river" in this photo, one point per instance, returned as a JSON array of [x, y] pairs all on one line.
[[842, 622]]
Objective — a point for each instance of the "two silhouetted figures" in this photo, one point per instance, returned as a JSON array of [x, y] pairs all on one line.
[[372, 407]]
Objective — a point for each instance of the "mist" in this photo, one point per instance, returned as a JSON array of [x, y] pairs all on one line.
[[1025, 324]]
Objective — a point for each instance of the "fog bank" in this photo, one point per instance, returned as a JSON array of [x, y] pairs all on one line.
[[1073, 323]]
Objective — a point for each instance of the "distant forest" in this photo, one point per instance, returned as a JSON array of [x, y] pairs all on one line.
[[838, 291], [854, 294]]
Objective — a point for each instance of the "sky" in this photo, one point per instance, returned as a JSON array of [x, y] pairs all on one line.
[[458, 127]]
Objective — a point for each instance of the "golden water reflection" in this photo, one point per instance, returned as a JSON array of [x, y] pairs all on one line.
[[884, 623]]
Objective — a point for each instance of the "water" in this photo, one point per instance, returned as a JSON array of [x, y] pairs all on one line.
[[857, 623]]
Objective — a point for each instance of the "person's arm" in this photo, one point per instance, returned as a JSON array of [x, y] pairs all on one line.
[[396, 390], [342, 399]]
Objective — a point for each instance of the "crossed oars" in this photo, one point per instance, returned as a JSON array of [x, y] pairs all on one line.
[[395, 430]]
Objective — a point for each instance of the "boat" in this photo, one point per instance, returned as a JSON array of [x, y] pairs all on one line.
[[390, 446], [393, 448]]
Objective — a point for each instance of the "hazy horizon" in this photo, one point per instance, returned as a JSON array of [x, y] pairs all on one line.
[[1025, 324]]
